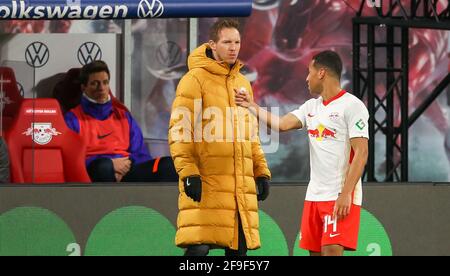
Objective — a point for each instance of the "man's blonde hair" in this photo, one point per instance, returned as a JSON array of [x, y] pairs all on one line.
[[222, 24]]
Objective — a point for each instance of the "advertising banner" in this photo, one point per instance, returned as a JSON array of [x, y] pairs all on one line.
[[123, 9]]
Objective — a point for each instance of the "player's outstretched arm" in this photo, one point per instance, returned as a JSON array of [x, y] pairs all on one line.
[[285, 123]]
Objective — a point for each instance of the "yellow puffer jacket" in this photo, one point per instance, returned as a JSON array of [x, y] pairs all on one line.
[[228, 162]]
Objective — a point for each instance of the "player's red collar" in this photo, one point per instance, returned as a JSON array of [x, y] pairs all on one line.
[[340, 94]]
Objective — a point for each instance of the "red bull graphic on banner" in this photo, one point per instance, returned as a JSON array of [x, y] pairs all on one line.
[[123, 9]]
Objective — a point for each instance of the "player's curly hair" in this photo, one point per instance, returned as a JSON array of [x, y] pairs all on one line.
[[330, 60]]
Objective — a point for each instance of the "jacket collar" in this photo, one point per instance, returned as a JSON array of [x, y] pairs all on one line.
[[199, 59], [96, 110]]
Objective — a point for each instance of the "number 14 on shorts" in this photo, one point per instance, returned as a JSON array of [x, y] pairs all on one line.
[[330, 224]]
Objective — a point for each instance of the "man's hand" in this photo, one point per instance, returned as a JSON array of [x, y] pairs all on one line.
[[242, 98], [121, 165], [262, 183], [342, 206], [193, 187], [118, 177]]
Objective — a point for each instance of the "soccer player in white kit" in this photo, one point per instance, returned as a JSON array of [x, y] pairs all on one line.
[[337, 125]]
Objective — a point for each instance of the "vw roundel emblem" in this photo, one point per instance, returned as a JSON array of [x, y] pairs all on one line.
[[150, 8], [264, 5], [89, 52], [37, 54], [168, 54]]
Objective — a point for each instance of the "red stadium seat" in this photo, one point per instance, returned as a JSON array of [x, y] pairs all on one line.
[[42, 148], [11, 97]]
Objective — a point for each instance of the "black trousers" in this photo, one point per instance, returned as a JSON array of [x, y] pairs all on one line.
[[162, 170], [203, 249]]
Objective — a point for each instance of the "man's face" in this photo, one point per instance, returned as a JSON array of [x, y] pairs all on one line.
[[227, 47], [314, 79], [97, 87]]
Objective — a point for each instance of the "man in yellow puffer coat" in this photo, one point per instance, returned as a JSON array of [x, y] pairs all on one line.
[[216, 151]]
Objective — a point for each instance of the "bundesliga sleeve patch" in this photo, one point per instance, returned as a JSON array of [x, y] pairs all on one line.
[[360, 124]]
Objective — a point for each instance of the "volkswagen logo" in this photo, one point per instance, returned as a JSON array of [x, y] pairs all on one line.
[[264, 5], [37, 54], [150, 8], [89, 52], [168, 54]]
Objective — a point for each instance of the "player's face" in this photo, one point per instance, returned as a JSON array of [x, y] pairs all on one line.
[[97, 87], [314, 79], [227, 47]]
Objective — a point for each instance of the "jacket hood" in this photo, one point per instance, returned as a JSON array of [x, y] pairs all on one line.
[[199, 59]]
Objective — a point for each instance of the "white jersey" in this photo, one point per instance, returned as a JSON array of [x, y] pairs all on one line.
[[330, 126]]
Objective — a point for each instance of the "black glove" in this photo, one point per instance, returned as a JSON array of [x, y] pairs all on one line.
[[193, 187], [262, 183]]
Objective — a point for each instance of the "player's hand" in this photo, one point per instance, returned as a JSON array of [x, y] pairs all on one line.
[[122, 165], [193, 187], [263, 185], [342, 206], [242, 97], [118, 177]]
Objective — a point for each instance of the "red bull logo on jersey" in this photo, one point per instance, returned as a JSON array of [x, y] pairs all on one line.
[[41, 133], [321, 132]]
